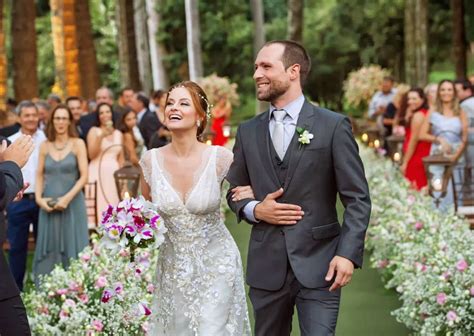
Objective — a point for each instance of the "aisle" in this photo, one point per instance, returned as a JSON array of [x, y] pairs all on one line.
[[365, 307]]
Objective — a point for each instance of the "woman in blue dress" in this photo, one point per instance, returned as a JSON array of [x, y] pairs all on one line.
[[61, 176]]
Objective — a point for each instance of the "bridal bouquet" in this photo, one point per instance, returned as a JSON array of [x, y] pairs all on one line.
[[133, 223]]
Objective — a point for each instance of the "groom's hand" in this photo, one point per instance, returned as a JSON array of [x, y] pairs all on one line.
[[272, 212], [343, 268]]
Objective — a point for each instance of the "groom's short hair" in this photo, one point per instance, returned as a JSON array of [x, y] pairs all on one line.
[[294, 53]]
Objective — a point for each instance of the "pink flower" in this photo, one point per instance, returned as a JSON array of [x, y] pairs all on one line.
[[146, 327], [138, 272], [441, 298], [69, 303], [84, 298], [471, 291], [101, 282], [123, 253], [150, 288], [62, 291], [462, 265], [446, 275], [451, 315], [382, 263], [118, 288], [97, 325], [74, 286], [411, 199], [418, 226], [144, 310], [106, 296], [420, 267], [63, 314], [139, 222], [43, 310], [86, 257]]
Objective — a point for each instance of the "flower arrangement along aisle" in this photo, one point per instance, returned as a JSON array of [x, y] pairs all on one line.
[[426, 255], [217, 87], [103, 292]]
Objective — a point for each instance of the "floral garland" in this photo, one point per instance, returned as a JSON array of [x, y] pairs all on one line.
[[425, 255]]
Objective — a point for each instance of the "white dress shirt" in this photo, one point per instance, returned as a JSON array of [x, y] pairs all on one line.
[[293, 110], [29, 170], [140, 115]]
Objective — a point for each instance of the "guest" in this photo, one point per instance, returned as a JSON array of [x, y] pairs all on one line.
[[9, 124], [13, 318], [380, 101], [148, 122], [162, 136], [465, 94], [124, 100], [471, 79], [22, 214], [220, 116], [43, 112], [132, 138], [60, 178], [430, 93], [103, 95], [413, 112], [53, 100], [105, 157], [446, 127], [75, 104]]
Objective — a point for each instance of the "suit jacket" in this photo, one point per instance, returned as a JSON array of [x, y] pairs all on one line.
[[11, 182], [148, 125], [9, 130], [317, 173]]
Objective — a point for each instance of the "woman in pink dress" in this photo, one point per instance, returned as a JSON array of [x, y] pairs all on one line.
[[104, 147]]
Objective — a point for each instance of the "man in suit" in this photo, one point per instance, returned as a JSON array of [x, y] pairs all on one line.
[[148, 122], [299, 254], [13, 319]]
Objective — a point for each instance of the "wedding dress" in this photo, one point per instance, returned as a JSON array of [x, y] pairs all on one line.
[[199, 284]]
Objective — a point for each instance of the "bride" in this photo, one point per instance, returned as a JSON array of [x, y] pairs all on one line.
[[200, 288]]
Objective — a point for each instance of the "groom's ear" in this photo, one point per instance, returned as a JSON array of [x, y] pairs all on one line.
[[294, 71]]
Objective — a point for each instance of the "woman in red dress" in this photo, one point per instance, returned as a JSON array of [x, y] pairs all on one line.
[[220, 116], [413, 111]]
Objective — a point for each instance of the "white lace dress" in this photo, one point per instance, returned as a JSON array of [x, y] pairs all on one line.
[[200, 288]]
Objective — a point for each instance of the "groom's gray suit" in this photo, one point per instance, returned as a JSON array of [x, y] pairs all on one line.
[[288, 264]]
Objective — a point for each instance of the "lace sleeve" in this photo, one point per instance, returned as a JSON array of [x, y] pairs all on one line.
[[224, 158], [145, 164]]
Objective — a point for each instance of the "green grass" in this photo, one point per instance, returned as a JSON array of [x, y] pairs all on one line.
[[365, 304]]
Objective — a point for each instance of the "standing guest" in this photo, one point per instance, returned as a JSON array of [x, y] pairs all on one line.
[[413, 112], [148, 122], [60, 178], [53, 100], [75, 105], [430, 93], [22, 214], [465, 93], [43, 112], [162, 136], [124, 100], [446, 128], [132, 138], [103, 95], [13, 319], [105, 159], [380, 100], [220, 116], [471, 79]]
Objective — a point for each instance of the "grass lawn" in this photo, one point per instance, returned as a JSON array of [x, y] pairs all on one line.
[[365, 305]]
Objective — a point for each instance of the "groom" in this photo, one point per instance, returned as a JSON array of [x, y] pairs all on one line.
[[299, 254]]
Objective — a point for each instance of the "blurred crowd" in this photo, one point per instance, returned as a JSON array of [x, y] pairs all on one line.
[[435, 120]]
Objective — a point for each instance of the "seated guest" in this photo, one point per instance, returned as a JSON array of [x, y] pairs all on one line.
[[413, 111], [60, 178], [132, 138], [105, 156]]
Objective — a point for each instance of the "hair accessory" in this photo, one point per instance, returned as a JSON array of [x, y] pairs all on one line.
[[209, 105]]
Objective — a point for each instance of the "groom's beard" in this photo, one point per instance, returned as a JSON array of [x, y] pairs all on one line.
[[275, 90]]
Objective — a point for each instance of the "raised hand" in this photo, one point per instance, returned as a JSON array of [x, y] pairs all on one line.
[[343, 268], [272, 212], [19, 151]]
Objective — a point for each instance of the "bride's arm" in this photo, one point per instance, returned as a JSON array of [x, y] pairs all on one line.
[[145, 188], [145, 165]]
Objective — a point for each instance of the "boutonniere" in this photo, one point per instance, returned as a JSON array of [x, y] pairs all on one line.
[[304, 136]]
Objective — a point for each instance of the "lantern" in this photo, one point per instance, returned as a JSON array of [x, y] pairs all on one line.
[[127, 180], [438, 169], [395, 146]]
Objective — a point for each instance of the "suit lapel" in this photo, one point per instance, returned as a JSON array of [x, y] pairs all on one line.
[[263, 138], [306, 121]]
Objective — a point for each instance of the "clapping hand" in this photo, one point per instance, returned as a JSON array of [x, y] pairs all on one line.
[[19, 151], [343, 268]]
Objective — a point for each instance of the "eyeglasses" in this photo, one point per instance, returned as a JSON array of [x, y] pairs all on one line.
[[60, 119]]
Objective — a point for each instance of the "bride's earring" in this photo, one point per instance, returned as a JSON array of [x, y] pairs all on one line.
[[198, 123]]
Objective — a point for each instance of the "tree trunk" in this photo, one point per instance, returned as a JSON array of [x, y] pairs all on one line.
[[459, 38], [416, 42], [295, 20], [126, 42], [143, 48], [3, 64], [157, 50], [24, 60], [258, 40], [57, 32], [71, 52], [193, 36], [88, 67]]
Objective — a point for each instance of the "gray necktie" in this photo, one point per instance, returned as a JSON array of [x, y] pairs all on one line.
[[278, 135]]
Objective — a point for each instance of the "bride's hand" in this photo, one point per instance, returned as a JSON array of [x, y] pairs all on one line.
[[242, 192]]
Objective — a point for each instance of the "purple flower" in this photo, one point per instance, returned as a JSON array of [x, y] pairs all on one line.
[[441, 298], [131, 230], [451, 315], [118, 288], [153, 221], [139, 222], [106, 296], [144, 309], [462, 265]]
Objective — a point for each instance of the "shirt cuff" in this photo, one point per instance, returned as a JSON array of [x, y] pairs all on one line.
[[249, 211]]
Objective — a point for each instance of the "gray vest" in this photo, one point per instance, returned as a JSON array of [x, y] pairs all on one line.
[[281, 167]]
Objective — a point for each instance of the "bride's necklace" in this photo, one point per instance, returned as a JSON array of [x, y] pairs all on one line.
[[60, 148]]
